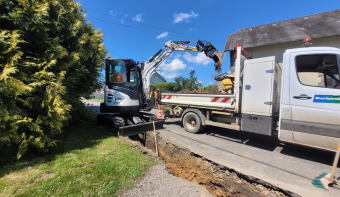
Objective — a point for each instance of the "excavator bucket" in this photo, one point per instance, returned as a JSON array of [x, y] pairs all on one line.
[[218, 57]]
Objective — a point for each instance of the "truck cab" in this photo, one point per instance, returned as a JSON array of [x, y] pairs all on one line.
[[310, 97]]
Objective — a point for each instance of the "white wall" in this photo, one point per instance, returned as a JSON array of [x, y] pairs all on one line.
[[277, 50]]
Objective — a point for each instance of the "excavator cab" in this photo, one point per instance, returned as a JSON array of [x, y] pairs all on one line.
[[124, 106]]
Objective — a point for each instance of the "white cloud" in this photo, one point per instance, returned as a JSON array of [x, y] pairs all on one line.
[[175, 55], [199, 59], [172, 69], [168, 75], [138, 18], [191, 68], [229, 72], [126, 15], [184, 16], [192, 29], [211, 83], [122, 21], [162, 35], [198, 82], [174, 65], [111, 11]]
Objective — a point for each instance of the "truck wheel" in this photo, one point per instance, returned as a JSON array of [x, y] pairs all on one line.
[[192, 122]]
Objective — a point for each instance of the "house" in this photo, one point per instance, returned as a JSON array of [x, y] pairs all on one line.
[[274, 38], [157, 78]]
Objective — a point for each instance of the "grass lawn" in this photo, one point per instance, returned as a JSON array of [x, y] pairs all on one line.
[[166, 108], [98, 100], [90, 161]]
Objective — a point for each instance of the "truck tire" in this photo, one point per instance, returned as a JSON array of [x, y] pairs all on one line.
[[192, 122]]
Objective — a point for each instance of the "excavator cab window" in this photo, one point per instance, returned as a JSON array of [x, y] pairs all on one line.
[[122, 74], [118, 71]]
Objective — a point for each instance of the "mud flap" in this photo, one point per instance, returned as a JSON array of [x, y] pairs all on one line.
[[127, 131]]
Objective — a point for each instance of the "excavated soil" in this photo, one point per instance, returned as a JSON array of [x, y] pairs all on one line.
[[219, 180]]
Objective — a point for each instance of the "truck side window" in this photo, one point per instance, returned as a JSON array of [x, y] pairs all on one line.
[[319, 70]]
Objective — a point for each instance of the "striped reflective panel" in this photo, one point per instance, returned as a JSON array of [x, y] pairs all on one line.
[[166, 97], [219, 100]]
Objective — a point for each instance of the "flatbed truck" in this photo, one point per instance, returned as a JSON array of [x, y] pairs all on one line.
[[298, 103]]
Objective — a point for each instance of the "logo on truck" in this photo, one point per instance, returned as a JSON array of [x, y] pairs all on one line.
[[326, 99]]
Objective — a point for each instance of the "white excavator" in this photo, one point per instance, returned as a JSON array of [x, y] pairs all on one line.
[[127, 94]]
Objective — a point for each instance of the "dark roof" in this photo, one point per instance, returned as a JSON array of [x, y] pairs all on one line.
[[315, 26]]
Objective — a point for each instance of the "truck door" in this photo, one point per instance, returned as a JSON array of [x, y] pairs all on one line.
[[314, 97]]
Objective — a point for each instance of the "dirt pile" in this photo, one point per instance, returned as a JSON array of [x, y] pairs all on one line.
[[219, 180], [185, 91]]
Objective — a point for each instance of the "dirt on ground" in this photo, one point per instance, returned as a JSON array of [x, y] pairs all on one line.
[[219, 180], [159, 181], [185, 91]]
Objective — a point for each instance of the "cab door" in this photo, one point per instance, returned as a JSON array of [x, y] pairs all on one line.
[[314, 97]]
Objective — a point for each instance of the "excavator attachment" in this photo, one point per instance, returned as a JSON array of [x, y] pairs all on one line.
[[211, 52], [127, 131], [126, 126], [218, 57]]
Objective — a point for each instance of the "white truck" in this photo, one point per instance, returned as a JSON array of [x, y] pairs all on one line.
[[299, 103]]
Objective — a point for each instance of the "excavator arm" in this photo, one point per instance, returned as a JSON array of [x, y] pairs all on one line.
[[155, 61]]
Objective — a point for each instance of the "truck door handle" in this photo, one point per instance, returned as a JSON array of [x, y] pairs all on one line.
[[302, 96]]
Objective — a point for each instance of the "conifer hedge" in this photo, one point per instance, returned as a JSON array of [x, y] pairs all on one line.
[[50, 57]]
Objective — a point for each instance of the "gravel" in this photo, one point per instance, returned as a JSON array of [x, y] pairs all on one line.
[[159, 182]]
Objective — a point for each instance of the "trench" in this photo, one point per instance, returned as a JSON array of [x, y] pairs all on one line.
[[219, 180]]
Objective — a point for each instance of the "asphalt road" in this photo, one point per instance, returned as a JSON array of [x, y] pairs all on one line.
[[288, 166]]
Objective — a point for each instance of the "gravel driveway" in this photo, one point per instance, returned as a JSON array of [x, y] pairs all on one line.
[[159, 182]]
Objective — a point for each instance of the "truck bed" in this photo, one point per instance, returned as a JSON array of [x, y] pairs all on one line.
[[215, 101]]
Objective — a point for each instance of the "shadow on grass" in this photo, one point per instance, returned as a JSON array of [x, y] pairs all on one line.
[[74, 137]]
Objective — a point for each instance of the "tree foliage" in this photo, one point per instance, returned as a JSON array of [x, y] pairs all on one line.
[[50, 57], [190, 83], [167, 86], [211, 88]]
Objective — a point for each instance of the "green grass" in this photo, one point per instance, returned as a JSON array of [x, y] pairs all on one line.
[[166, 108], [90, 161], [98, 100]]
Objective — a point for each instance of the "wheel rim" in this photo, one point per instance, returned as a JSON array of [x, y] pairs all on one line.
[[191, 122]]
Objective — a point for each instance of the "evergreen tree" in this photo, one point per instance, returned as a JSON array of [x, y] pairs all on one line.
[[190, 83], [50, 57]]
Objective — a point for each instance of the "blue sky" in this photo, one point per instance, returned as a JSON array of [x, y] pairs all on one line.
[[138, 29]]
